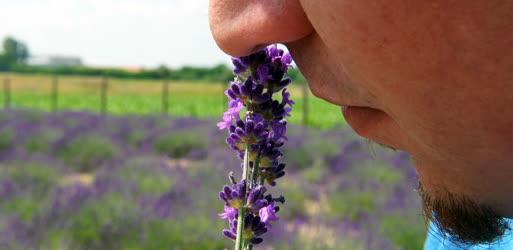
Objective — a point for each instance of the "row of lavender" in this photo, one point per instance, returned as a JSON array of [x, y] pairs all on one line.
[[84, 181]]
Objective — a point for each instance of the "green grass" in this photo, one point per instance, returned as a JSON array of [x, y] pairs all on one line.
[[322, 114], [196, 99]]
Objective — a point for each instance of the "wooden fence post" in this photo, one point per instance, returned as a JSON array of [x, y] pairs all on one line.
[[305, 104], [7, 92], [165, 97], [104, 88], [55, 94]]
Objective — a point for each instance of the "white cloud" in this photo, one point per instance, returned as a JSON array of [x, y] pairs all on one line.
[[115, 32]]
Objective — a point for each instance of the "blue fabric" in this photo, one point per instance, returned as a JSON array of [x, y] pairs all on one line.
[[436, 240]]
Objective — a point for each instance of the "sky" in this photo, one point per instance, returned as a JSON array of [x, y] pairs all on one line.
[[120, 33]]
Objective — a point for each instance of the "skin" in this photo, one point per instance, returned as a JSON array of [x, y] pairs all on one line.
[[433, 78]]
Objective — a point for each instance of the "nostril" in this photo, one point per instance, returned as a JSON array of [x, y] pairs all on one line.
[[242, 27]]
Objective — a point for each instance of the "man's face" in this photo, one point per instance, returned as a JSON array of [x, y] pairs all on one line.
[[433, 78]]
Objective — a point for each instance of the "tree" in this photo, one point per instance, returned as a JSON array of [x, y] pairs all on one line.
[[3, 63], [163, 71], [14, 52]]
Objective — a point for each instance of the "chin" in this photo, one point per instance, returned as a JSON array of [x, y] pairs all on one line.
[[375, 125]]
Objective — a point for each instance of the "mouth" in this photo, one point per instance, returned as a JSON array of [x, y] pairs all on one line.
[[373, 124]]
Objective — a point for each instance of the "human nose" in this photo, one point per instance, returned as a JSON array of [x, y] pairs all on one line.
[[242, 27]]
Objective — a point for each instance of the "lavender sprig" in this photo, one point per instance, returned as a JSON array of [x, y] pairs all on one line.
[[256, 138]]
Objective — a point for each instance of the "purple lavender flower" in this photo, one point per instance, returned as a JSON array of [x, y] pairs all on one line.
[[268, 213], [235, 195], [253, 228], [249, 92], [242, 64], [7, 189], [286, 101], [230, 213], [272, 173], [245, 134], [233, 114], [256, 138], [256, 199], [232, 232]]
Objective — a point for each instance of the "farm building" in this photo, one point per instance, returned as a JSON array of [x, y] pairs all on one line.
[[54, 61]]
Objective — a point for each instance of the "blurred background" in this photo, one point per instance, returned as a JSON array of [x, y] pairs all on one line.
[[108, 140]]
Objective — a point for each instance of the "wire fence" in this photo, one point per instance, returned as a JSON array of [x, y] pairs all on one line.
[[53, 88]]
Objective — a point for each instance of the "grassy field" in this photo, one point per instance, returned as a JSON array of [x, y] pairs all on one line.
[[197, 99]]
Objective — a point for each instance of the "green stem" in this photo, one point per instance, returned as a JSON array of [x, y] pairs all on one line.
[[254, 177], [239, 241], [254, 173], [245, 167]]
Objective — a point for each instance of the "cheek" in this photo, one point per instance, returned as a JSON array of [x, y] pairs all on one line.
[[325, 78], [419, 61], [373, 43]]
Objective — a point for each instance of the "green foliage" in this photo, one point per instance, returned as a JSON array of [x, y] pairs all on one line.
[[42, 141], [39, 178], [14, 50], [352, 204], [193, 232], [6, 139], [219, 73], [148, 180], [32, 117], [298, 158], [4, 64], [403, 232], [35, 180], [111, 223], [104, 224], [296, 76], [87, 152], [135, 138], [295, 199], [340, 243], [23, 207], [14, 53], [315, 173], [323, 147], [380, 174], [179, 144], [314, 150]]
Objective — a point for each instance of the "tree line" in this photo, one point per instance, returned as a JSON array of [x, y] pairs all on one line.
[[15, 53]]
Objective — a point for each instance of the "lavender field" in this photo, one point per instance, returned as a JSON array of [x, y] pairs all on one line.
[[76, 180]]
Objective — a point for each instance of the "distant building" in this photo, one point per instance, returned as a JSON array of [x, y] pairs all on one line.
[[54, 61]]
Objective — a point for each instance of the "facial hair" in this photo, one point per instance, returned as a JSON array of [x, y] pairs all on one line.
[[466, 221]]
